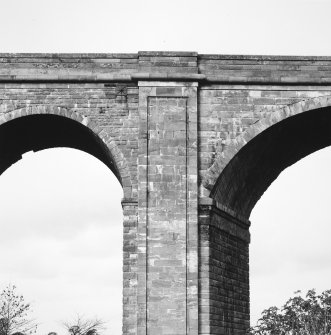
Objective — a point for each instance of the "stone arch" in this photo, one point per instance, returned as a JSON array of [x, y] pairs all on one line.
[[249, 163], [100, 144]]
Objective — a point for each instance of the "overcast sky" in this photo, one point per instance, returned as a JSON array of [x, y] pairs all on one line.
[[61, 237], [60, 211]]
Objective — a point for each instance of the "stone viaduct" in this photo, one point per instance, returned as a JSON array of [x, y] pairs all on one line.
[[194, 140]]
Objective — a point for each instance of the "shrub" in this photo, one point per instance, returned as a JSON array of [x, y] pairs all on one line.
[[309, 315]]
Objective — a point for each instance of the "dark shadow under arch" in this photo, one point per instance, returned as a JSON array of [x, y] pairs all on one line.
[[44, 131], [258, 163], [40, 127]]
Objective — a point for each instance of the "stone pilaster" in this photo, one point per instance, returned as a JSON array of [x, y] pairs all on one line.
[[168, 208]]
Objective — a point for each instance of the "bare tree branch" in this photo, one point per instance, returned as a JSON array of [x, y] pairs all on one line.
[[83, 326], [14, 313]]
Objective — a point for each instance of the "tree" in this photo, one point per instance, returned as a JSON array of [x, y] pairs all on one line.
[[83, 326], [309, 315], [14, 313]]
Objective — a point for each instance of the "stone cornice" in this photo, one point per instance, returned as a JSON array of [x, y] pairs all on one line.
[[165, 66]]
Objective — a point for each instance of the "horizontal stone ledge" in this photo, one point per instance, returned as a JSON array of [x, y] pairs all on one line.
[[237, 80], [69, 55], [42, 78], [225, 80], [102, 78], [102, 55], [227, 211], [168, 53], [168, 76], [129, 202], [135, 77], [264, 57]]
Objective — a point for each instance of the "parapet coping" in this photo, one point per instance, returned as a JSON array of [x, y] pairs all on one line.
[[265, 57], [159, 73], [165, 54]]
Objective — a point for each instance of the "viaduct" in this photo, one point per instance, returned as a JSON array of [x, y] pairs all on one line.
[[194, 140]]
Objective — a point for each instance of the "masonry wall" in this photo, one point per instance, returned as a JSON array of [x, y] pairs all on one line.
[[270, 70], [224, 272], [66, 67], [231, 93], [114, 108], [226, 111], [247, 90]]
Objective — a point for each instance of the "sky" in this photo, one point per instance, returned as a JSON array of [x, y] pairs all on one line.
[[62, 247], [61, 237], [290, 248]]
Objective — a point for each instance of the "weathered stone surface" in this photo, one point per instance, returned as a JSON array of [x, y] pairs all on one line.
[[194, 140], [169, 190]]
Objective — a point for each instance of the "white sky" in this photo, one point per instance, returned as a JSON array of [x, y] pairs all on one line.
[[61, 237], [63, 244]]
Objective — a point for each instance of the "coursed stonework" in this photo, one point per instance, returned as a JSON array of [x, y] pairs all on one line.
[[194, 140]]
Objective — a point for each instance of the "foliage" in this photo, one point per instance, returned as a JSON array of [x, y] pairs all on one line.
[[83, 326], [14, 313], [309, 315]]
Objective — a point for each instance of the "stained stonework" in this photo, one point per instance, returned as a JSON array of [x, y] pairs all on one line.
[[168, 177], [194, 140]]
